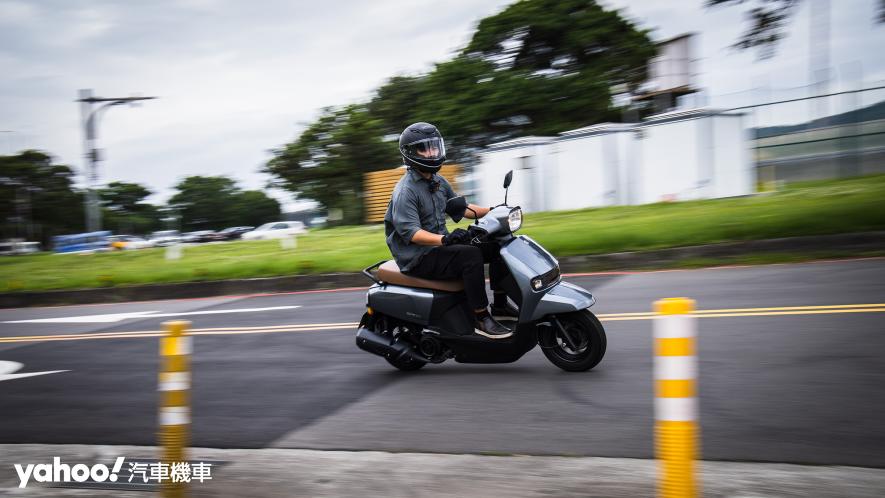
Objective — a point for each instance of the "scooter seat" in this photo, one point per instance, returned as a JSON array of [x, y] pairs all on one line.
[[389, 272]]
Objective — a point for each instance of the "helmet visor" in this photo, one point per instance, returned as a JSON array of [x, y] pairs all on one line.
[[429, 149]]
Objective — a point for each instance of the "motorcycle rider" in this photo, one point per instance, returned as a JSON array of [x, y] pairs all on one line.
[[415, 228]]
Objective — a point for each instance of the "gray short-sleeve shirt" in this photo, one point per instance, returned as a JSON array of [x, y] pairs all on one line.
[[414, 207]]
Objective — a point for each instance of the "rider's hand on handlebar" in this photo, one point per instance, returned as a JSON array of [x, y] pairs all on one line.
[[458, 236]]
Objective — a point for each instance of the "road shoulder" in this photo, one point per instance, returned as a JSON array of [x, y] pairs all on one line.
[[310, 473]]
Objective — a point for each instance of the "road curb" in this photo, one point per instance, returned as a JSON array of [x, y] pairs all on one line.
[[816, 245]]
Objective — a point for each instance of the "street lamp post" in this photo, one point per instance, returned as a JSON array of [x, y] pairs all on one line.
[[90, 136]]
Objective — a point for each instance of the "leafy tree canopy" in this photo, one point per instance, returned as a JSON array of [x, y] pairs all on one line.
[[326, 163], [125, 211], [216, 202], [537, 67], [124, 197], [37, 197]]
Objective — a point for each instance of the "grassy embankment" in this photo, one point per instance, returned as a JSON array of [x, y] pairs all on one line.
[[813, 208]]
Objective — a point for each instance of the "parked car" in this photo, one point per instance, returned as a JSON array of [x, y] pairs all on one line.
[[10, 247], [165, 238], [128, 242], [232, 233], [275, 230], [318, 221], [198, 236]]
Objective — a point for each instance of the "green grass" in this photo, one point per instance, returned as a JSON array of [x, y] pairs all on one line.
[[814, 208]]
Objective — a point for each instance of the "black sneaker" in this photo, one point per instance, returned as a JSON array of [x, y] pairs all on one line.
[[488, 327], [505, 312]]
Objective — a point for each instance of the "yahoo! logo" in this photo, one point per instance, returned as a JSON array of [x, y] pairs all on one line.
[[60, 472]]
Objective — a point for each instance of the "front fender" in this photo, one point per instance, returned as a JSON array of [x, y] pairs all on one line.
[[563, 298]]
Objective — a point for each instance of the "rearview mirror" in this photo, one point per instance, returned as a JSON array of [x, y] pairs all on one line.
[[508, 178], [456, 207]]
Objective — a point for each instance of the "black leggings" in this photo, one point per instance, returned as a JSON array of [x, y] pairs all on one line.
[[462, 262]]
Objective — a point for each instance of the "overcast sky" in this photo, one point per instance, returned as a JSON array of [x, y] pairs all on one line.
[[236, 79]]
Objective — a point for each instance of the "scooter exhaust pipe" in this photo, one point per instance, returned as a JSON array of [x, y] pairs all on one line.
[[380, 345]]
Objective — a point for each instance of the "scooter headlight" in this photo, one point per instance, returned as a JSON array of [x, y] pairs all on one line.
[[514, 219]]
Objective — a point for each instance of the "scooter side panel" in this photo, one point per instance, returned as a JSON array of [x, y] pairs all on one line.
[[525, 260], [406, 303], [451, 315]]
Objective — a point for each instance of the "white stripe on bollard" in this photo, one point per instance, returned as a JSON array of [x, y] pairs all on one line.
[[676, 409], [675, 368], [175, 415], [175, 381], [670, 326]]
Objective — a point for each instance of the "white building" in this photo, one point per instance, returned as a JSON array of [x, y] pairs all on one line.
[[590, 167], [693, 154], [681, 155], [529, 158]]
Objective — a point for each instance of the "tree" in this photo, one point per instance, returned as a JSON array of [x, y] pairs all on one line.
[[538, 67], [124, 197], [393, 103], [564, 37], [37, 197], [327, 161], [205, 202], [254, 208], [216, 202], [125, 211], [768, 21]]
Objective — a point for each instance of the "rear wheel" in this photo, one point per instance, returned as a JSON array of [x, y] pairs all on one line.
[[576, 342]]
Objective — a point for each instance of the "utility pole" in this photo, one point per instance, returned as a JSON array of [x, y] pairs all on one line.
[[91, 153]]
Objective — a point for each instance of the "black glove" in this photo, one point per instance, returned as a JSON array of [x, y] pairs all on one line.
[[458, 236]]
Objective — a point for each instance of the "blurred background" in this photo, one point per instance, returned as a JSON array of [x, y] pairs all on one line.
[[283, 113]]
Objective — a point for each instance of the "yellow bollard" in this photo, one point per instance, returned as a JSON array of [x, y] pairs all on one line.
[[174, 387], [676, 407]]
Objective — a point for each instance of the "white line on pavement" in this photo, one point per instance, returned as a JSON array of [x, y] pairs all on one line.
[[118, 317], [8, 367]]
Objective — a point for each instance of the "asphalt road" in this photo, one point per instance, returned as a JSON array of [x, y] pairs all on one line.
[[799, 386]]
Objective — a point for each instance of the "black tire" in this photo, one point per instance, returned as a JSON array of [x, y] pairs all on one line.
[[407, 364], [584, 328]]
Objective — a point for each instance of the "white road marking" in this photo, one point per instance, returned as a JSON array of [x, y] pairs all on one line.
[[109, 318], [118, 317], [8, 367]]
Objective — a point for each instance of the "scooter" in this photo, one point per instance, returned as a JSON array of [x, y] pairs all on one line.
[[411, 321]]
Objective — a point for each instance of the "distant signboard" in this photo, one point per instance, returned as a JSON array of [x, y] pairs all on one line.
[[82, 242]]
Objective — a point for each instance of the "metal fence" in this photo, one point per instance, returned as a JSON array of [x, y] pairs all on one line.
[[834, 135]]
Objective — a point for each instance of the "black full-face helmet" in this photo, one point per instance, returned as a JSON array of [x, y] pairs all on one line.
[[422, 147]]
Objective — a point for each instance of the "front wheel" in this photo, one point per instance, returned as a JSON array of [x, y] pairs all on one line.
[[576, 341]]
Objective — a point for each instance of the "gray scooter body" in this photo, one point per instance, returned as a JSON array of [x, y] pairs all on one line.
[[413, 326], [447, 316]]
